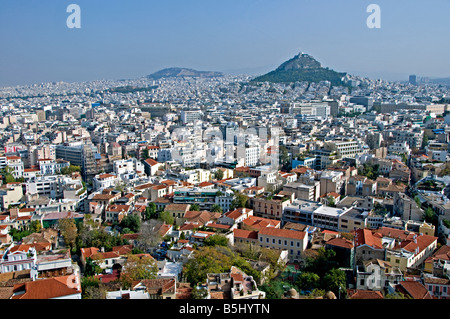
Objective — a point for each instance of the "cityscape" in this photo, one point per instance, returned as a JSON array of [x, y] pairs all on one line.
[[298, 182]]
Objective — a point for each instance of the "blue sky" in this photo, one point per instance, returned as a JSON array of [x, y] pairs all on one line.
[[128, 39]]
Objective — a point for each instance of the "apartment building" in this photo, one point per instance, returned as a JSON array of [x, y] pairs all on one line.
[[377, 274], [10, 194], [344, 148], [16, 165], [205, 198], [332, 181], [295, 242], [103, 181], [271, 207], [307, 190]]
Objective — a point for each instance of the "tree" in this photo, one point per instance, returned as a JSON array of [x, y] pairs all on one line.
[[285, 159], [417, 200], [98, 238], [335, 280], [424, 141], [275, 289], [145, 154], [150, 211], [240, 201], [70, 169], [322, 263], [132, 222], [199, 293], [430, 216], [92, 268], [69, 232], [35, 226], [195, 207], [166, 217], [216, 208], [331, 201], [207, 259], [91, 288], [215, 240], [149, 236], [308, 281], [138, 268], [219, 174], [9, 178], [397, 295], [17, 235]]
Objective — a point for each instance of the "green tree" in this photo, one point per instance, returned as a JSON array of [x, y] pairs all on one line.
[[91, 268], [138, 268], [215, 240], [308, 281], [35, 226], [216, 208], [166, 217], [195, 207], [417, 200], [17, 235], [89, 285], [335, 280], [98, 238], [430, 216], [397, 295], [219, 174], [9, 178], [275, 289], [150, 211], [331, 202], [69, 232], [322, 263], [207, 259], [70, 169], [240, 201], [199, 293], [424, 141], [145, 154], [132, 222]]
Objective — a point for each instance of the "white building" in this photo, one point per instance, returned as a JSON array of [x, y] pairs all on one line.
[[18, 257], [102, 181]]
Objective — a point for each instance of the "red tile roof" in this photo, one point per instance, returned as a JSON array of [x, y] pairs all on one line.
[[413, 288], [245, 234], [340, 242], [284, 233], [48, 288], [366, 237]]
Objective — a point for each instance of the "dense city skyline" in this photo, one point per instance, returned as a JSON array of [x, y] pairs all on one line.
[[118, 40], [225, 155]]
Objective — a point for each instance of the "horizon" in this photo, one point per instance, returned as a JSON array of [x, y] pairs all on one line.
[[119, 40]]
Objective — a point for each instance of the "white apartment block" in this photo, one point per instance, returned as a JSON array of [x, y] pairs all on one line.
[[103, 181]]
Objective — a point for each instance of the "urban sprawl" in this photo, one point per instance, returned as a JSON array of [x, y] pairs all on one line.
[[222, 188]]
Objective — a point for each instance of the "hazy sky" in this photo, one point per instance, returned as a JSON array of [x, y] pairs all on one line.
[[128, 39]]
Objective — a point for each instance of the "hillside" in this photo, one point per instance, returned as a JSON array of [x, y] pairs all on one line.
[[302, 67], [183, 72]]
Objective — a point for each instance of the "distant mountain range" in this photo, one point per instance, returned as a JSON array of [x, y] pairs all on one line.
[[183, 72], [302, 67]]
